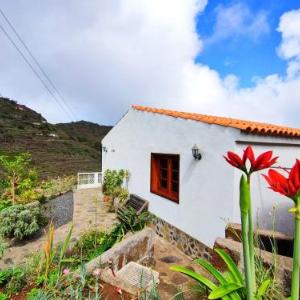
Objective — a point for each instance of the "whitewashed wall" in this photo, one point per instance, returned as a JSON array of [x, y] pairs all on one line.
[[267, 203], [208, 188], [206, 193]]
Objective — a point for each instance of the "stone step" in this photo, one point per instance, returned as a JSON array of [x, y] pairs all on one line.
[[265, 238]]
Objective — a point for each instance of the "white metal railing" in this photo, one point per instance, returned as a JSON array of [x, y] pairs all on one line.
[[89, 180]]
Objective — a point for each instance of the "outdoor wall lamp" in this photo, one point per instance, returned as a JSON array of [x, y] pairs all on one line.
[[104, 149], [196, 152]]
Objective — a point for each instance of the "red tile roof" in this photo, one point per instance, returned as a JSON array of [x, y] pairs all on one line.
[[243, 125]]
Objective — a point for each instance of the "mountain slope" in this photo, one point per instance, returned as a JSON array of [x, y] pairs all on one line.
[[57, 149]]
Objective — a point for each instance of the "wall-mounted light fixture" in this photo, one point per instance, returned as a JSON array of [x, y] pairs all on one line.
[[196, 152], [104, 149]]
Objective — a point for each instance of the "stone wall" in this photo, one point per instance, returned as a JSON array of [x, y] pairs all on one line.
[[189, 245], [139, 247], [59, 209]]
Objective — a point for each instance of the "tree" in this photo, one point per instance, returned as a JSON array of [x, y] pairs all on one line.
[[14, 168]]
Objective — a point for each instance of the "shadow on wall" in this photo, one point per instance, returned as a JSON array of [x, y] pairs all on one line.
[[283, 220], [189, 171]]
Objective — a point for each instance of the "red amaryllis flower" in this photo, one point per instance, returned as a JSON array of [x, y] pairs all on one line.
[[288, 186], [263, 161]]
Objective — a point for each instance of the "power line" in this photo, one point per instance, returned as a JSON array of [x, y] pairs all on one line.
[[37, 63], [34, 71], [31, 67]]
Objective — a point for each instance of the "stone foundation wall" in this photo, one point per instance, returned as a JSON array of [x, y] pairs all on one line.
[[187, 244]]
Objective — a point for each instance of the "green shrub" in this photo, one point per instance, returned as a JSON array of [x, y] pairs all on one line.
[[121, 193], [3, 296], [91, 240], [39, 294], [28, 183], [132, 221], [17, 280], [29, 196], [3, 246], [13, 279], [93, 243], [54, 187], [113, 179], [4, 204], [5, 276], [89, 244], [15, 169], [4, 184], [20, 221]]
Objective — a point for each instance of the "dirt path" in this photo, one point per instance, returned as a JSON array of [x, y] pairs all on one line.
[[89, 212]]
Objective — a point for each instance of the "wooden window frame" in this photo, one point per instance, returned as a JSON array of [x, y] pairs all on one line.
[[155, 176]]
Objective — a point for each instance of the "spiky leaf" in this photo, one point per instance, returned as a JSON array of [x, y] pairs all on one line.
[[232, 267], [195, 276]]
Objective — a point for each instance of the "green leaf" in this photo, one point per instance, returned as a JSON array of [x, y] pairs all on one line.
[[212, 270], [66, 244], [195, 276], [224, 290], [263, 287], [232, 267]]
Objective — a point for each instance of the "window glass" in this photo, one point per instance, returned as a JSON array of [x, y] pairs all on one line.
[[165, 175]]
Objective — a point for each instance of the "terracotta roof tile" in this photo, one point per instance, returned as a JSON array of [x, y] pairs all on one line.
[[246, 126]]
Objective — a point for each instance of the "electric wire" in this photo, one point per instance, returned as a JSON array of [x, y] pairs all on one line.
[[34, 71], [37, 63]]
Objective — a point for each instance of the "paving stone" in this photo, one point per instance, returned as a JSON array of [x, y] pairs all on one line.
[[170, 259], [89, 213]]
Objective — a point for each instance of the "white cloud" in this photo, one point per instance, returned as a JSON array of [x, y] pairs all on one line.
[[289, 27], [237, 20], [106, 55]]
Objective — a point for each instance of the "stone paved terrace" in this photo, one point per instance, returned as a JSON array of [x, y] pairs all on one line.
[[172, 283], [89, 212]]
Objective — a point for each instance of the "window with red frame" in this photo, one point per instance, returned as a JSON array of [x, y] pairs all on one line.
[[165, 175]]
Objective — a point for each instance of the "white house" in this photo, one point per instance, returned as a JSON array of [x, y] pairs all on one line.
[[197, 196]]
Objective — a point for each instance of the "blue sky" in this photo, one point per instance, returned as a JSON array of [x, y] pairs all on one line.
[[243, 53]]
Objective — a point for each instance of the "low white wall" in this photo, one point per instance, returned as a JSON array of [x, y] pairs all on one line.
[[206, 186]]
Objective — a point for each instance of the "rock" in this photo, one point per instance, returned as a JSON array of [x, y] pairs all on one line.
[[60, 209], [265, 237], [136, 248]]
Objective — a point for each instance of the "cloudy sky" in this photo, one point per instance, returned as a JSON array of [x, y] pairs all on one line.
[[228, 58]]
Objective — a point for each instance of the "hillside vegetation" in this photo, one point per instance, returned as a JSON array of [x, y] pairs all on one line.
[[56, 149]]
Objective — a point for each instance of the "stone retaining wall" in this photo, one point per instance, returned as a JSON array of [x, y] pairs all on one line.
[[138, 247], [59, 209], [187, 244]]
